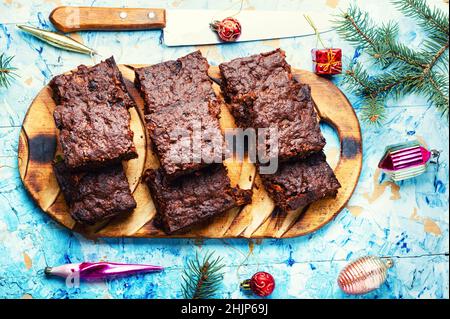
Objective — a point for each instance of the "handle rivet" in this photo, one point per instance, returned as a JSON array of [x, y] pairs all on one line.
[[151, 14], [123, 15]]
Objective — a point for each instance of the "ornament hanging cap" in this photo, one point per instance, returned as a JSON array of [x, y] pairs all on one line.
[[389, 263]]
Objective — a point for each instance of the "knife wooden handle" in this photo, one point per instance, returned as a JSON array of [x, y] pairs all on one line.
[[70, 19]]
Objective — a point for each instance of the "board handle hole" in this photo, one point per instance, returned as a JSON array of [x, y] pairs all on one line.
[[333, 147]]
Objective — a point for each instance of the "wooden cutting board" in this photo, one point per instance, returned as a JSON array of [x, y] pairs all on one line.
[[38, 145]]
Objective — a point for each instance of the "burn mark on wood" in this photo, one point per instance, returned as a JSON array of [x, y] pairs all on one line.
[[34, 180], [350, 147], [42, 148], [278, 213]]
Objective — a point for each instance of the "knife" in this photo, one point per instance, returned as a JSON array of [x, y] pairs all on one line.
[[188, 27]]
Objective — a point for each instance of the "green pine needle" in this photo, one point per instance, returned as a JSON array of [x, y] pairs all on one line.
[[373, 111], [202, 278], [433, 20], [6, 71], [404, 70]]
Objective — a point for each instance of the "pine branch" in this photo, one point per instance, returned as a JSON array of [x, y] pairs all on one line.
[[438, 92], [405, 54], [394, 86], [6, 71], [404, 70], [362, 24], [201, 279], [373, 111], [358, 29], [439, 54], [390, 83], [431, 20], [358, 80]]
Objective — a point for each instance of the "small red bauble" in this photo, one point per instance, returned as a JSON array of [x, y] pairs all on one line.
[[261, 283], [327, 61], [229, 29]]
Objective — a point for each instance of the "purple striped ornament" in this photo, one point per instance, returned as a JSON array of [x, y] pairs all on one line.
[[98, 270], [406, 160]]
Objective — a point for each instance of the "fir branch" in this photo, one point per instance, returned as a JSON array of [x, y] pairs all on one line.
[[366, 37], [404, 70], [6, 70], [436, 58], [390, 83], [358, 79], [434, 21], [393, 84], [373, 111], [405, 54], [358, 29], [201, 279], [438, 92]]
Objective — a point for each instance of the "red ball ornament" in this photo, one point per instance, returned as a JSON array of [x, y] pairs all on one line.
[[229, 29], [261, 283]]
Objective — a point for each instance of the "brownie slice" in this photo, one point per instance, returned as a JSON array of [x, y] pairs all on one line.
[[92, 135], [92, 115], [261, 72], [182, 114], [297, 184], [101, 83], [262, 94], [293, 115], [95, 196], [186, 136], [170, 82], [192, 199]]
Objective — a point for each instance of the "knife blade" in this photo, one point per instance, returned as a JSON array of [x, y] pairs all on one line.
[[256, 24]]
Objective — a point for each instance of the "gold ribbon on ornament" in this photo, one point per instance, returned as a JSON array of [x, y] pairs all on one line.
[[332, 63]]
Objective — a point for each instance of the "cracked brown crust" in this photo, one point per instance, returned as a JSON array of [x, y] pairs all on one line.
[[291, 112], [192, 199], [297, 184], [262, 93], [178, 95], [177, 159], [183, 80], [95, 196], [261, 72], [92, 115]]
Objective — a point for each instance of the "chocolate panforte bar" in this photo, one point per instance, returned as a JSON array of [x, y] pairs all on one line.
[[262, 93], [92, 116], [179, 95], [94, 122]]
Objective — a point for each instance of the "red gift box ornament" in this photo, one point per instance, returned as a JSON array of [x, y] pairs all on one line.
[[327, 61]]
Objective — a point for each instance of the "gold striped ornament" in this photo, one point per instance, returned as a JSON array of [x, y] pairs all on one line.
[[363, 275], [57, 40]]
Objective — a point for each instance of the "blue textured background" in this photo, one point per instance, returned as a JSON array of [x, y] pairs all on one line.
[[408, 222]]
